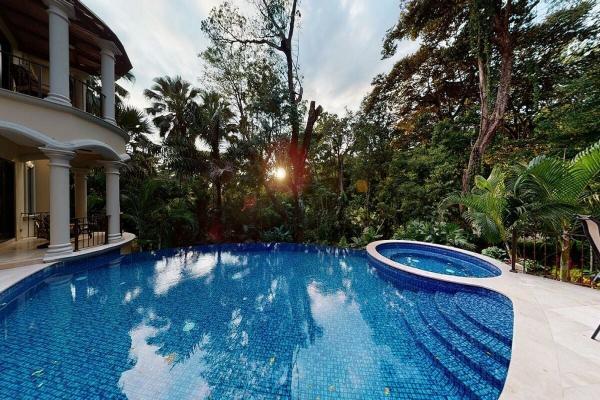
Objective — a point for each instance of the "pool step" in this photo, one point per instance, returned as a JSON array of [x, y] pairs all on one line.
[[460, 344], [447, 307], [498, 322], [473, 384]]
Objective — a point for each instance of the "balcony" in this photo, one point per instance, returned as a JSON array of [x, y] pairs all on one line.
[[27, 77]]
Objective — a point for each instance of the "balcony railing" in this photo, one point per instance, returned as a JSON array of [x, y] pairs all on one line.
[[85, 232], [90, 231], [19, 74]]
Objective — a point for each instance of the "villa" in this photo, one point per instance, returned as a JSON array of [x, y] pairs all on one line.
[[246, 314], [55, 126]]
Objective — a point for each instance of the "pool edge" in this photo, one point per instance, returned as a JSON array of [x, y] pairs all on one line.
[[533, 372]]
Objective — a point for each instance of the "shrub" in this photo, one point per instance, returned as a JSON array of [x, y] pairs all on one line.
[[277, 234], [575, 275], [368, 235], [343, 242], [495, 252], [531, 266], [439, 232]]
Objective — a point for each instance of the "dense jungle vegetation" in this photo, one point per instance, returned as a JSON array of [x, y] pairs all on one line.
[[508, 90]]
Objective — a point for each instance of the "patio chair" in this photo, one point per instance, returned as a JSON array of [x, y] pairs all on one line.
[[591, 227], [42, 226]]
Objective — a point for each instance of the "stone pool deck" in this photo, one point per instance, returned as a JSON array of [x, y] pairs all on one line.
[[553, 355]]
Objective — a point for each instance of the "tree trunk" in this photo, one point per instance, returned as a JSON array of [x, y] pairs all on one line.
[[218, 199], [492, 115], [565, 255], [513, 251]]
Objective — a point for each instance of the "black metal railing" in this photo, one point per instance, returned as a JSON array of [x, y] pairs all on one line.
[[539, 253], [89, 231], [28, 77], [85, 232]]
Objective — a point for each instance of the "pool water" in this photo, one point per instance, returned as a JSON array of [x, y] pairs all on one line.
[[438, 260], [249, 322]]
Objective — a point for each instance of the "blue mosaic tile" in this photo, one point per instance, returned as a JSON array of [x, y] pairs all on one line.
[[249, 321], [438, 260]]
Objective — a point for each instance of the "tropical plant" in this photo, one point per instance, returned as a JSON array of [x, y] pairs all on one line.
[[278, 234], [546, 193], [368, 235], [495, 252], [439, 232], [213, 125], [157, 217], [557, 190], [172, 108]]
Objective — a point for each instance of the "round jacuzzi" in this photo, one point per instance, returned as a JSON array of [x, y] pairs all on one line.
[[437, 260]]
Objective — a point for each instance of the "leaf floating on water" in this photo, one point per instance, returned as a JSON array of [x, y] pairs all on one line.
[[188, 326], [170, 358]]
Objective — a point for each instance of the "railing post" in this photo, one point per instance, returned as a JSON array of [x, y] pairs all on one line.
[[106, 223], [76, 229], [513, 250]]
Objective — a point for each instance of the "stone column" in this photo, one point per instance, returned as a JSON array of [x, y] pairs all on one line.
[[80, 180], [113, 203], [59, 12], [20, 170], [107, 57], [60, 240]]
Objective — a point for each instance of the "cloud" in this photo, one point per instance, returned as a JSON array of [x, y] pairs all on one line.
[[339, 43]]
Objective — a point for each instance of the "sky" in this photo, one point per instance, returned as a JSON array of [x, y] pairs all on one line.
[[339, 42]]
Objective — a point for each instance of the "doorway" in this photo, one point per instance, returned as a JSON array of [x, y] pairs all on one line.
[[7, 199]]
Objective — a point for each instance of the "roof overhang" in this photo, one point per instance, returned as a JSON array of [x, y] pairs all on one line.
[[27, 21]]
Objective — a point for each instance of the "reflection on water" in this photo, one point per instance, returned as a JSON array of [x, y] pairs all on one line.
[[216, 324]]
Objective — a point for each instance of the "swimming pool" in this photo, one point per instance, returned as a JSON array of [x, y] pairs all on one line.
[[437, 259], [250, 322]]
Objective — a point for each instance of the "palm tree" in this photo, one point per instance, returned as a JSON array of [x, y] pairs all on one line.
[[546, 193], [158, 218], [558, 190], [492, 211], [173, 104], [172, 100], [213, 125]]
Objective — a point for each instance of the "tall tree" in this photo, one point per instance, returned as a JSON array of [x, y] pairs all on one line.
[[492, 28], [273, 25], [213, 119], [172, 108]]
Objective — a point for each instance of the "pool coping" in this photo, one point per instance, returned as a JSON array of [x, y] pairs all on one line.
[[544, 349]]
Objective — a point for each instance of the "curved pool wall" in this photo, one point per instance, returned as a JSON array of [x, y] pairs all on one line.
[[253, 321], [437, 259]]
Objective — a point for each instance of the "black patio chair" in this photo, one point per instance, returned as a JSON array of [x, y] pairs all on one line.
[[591, 228]]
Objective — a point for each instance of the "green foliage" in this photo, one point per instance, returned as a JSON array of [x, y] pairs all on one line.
[[439, 232], [495, 252], [487, 207], [278, 234], [575, 275], [160, 213], [383, 170], [368, 235], [531, 266]]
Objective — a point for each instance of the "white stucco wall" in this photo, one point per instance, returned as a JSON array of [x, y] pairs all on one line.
[[62, 123]]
